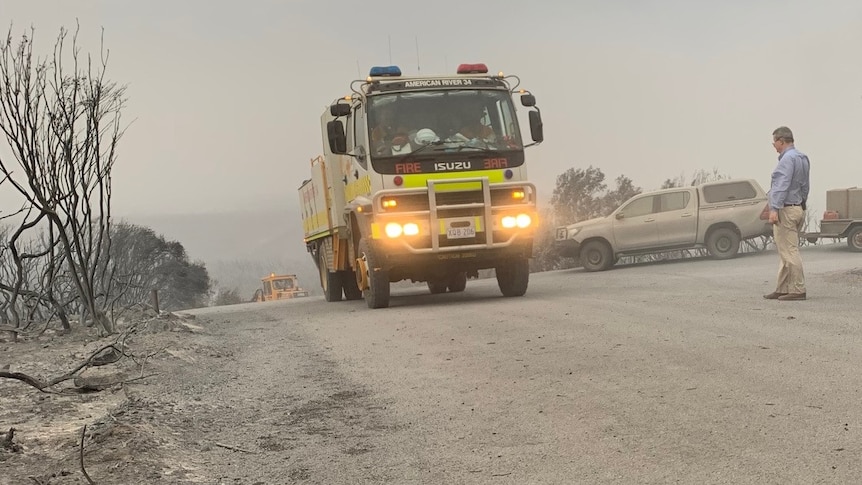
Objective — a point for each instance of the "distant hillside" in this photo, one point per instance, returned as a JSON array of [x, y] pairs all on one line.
[[239, 248]]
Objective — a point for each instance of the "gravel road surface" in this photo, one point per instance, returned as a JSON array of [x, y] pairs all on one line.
[[672, 372]]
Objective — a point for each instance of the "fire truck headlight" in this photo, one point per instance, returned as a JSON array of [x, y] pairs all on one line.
[[523, 220], [509, 222], [393, 229], [411, 229]]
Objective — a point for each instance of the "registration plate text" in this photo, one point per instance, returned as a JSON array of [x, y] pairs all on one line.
[[461, 232]]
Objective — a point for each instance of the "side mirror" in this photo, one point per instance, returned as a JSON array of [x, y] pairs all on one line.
[[536, 129], [528, 100], [335, 135], [620, 215], [339, 109]]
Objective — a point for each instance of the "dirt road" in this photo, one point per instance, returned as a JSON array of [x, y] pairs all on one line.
[[661, 373]]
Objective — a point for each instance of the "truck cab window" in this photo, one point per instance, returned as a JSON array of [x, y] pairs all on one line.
[[404, 122], [728, 191], [359, 133], [639, 207], [674, 201], [283, 284], [348, 132]]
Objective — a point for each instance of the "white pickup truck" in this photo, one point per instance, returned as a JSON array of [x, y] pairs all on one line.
[[715, 215]]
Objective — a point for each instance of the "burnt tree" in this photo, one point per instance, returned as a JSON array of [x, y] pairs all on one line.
[[60, 116]]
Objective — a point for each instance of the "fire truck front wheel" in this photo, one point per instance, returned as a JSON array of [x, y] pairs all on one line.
[[514, 277], [377, 293], [436, 286], [458, 282], [330, 281]]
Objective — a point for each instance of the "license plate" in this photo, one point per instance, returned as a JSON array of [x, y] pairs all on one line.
[[460, 232]]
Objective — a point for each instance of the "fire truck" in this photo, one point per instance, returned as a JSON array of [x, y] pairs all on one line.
[[422, 178], [278, 287]]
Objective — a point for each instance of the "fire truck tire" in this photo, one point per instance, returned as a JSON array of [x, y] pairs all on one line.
[[351, 288], [436, 286], [854, 239], [329, 280], [458, 282], [377, 293], [514, 278]]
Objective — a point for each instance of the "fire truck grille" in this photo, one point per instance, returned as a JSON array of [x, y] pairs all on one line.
[[420, 202]]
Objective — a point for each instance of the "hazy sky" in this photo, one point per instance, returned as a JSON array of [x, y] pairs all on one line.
[[226, 96]]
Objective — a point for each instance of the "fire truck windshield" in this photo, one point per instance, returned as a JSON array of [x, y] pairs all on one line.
[[442, 121], [283, 284]]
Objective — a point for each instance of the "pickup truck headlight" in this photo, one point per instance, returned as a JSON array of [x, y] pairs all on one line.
[[564, 233]]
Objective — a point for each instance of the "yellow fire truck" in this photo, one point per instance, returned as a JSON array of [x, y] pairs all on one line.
[[279, 287], [422, 179]]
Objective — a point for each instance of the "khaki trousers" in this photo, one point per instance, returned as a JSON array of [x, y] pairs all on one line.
[[791, 278]]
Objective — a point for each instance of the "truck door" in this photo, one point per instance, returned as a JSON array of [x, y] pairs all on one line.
[[635, 224], [355, 176], [677, 218]]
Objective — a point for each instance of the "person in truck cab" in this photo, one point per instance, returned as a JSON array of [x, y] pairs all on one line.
[[469, 126], [389, 134]]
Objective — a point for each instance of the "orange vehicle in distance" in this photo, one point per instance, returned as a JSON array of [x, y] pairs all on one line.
[[279, 287]]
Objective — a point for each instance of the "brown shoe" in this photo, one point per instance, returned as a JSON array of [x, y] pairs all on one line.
[[792, 297], [774, 295]]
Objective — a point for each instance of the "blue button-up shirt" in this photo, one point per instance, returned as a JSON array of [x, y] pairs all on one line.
[[789, 179]]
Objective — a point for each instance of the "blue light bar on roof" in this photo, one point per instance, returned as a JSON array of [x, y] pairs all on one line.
[[387, 71]]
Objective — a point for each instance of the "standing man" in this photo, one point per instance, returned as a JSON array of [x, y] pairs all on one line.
[[787, 196]]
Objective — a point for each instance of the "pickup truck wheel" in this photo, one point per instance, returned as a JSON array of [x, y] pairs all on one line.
[[596, 256], [377, 293], [329, 280], [351, 287], [723, 243], [854, 238], [457, 282], [513, 278], [436, 286]]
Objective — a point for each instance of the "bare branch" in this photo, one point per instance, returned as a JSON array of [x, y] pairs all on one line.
[[234, 448], [81, 457], [45, 386]]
